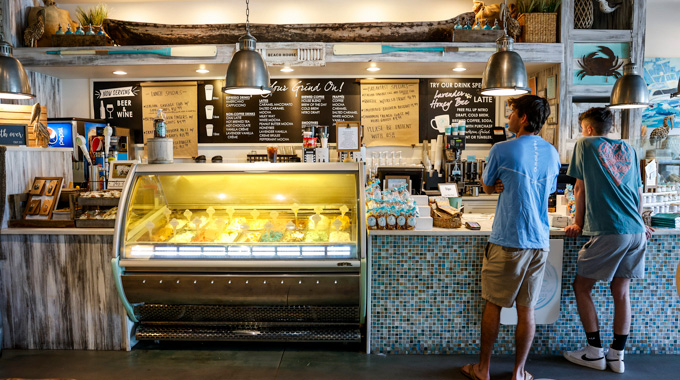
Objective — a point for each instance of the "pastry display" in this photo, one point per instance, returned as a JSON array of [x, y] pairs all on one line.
[[271, 237], [339, 237], [206, 236], [344, 220], [100, 214], [162, 235], [101, 194], [184, 237], [236, 223], [256, 224], [316, 237]]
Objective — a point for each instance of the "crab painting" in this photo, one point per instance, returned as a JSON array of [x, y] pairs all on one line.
[[605, 65]]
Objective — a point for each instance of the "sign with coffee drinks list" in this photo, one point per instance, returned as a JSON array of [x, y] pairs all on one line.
[[454, 99], [280, 117]]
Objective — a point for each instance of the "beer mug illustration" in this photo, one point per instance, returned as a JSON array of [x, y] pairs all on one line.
[[440, 123]]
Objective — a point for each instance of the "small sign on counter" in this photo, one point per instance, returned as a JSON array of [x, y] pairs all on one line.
[[12, 135]]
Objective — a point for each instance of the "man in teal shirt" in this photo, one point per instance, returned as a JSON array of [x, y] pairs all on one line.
[[524, 170], [607, 191]]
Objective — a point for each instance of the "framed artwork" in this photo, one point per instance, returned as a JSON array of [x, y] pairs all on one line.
[[392, 181], [554, 116], [37, 187], [550, 87], [599, 63], [43, 197], [661, 75], [33, 207], [119, 172], [51, 187]]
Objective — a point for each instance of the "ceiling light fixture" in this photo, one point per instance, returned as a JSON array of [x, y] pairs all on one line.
[[14, 82], [287, 69], [505, 73], [202, 71], [459, 69], [120, 72], [247, 73], [373, 67], [630, 90]]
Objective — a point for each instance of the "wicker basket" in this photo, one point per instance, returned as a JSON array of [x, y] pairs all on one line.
[[538, 27], [444, 220]]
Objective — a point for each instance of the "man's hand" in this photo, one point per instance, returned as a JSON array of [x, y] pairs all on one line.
[[499, 186], [648, 232], [573, 230]]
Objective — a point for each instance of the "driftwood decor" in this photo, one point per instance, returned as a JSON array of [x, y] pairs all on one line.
[[139, 33]]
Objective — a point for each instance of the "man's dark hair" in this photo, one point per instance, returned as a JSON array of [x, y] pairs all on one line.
[[535, 108], [599, 118]]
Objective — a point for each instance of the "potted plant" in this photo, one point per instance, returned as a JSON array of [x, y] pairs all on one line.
[[538, 19]]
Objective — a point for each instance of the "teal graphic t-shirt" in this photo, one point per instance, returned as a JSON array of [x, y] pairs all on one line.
[[611, 172]]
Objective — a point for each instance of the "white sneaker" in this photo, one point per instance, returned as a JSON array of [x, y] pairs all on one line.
[[615, 360], [589, 356]]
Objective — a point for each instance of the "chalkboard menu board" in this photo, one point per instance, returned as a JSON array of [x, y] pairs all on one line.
[[279, 117], [120, 104], [458, 99]]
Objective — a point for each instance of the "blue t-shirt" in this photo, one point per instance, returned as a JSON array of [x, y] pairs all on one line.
[[611, 173], [528, 167]]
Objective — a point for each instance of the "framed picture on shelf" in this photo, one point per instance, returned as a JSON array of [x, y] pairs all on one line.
[[348, 136], [37, 187], [118, 173], [33, 207], [554, 116], [46, 206], [550, 87], [392, 181], [51, 187]]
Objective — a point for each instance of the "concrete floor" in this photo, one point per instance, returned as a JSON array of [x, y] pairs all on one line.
[[234, 361]]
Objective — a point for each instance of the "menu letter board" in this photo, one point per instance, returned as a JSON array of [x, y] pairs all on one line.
[[279, 117], [178, 102], [120, 104], [459, 99], [389, 113]]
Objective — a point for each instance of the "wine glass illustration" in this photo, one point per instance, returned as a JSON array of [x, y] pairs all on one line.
[[109, 109]]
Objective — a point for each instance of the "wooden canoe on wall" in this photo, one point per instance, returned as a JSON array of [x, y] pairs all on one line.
[[139, 33]]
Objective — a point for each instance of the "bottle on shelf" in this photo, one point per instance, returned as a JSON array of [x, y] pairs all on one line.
[[159, 124]]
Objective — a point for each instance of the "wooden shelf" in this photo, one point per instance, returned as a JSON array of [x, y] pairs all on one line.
[[601, 35], [470, 52]]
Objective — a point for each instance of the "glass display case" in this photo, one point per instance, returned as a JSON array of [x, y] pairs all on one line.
[[289, 238], [662, 178]]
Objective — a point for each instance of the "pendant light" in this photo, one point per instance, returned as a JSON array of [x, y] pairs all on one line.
[[505, 73], [13, 79], [630, 91], [247, 73]]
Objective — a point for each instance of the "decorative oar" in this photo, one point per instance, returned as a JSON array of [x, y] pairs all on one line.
[[179, 51], [359, 49]]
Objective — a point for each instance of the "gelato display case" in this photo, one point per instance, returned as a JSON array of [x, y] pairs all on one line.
[[256, 251]]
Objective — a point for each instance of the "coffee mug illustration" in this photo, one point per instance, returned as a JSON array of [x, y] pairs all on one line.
[[440, 123]]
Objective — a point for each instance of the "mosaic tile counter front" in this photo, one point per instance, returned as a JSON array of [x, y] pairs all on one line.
[[426, 299]]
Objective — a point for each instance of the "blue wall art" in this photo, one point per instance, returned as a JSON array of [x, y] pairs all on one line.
[[661, 75], [599, 63]]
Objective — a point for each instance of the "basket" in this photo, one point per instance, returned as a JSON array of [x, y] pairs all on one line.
[[538, 27], [444, 220]]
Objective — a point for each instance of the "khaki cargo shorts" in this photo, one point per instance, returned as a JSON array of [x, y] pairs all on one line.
[[512, 275]]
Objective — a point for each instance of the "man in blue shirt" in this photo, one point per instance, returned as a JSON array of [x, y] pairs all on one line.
[[524, 170], [607, 191]]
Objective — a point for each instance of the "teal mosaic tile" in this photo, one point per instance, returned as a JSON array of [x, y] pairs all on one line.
[[426, 299]]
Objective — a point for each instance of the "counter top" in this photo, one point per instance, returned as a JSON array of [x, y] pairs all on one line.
[[56, 231]]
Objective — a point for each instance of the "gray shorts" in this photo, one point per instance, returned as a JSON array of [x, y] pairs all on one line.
[[512, 275], [604, 257]]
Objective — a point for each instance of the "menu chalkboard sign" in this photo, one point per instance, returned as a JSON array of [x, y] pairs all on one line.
[[459, 99], [294, 103], [120, 104]]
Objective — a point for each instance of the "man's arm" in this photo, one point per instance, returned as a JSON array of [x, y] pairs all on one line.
[[648, 230], [580, 195], [489, 189]]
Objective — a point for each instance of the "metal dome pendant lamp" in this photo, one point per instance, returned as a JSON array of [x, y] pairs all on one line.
[[630, 91], [505, 73], [247, 73], [13, 79]]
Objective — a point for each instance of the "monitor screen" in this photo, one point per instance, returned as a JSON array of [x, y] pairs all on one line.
[[396, 176]]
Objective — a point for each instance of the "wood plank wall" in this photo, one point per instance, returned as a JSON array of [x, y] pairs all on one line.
[[57, 292]]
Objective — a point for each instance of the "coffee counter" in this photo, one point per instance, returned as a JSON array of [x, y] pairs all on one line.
[[425, 296]]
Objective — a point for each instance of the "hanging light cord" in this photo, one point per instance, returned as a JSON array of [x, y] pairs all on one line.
[[247, 17]]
